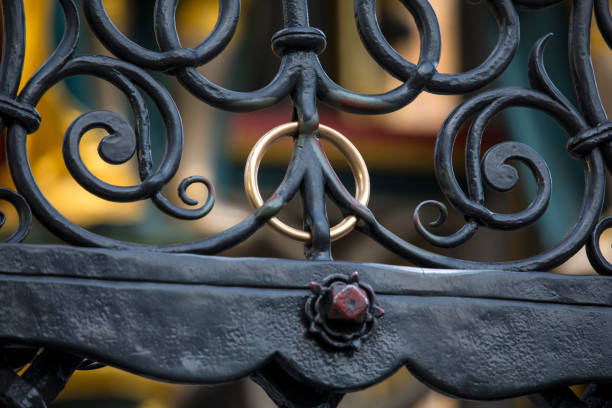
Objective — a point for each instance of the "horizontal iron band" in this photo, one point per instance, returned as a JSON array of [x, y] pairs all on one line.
[[70, 264]]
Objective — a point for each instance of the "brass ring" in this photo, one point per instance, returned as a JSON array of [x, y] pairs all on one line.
[[350, 152]]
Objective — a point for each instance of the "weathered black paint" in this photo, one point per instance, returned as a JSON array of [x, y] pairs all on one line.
[[476, 334], [477, 330]]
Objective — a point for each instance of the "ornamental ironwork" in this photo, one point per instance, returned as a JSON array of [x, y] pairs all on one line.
[[159, 311]]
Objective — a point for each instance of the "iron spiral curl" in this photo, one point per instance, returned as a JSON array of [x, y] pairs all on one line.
[[494, 171], [24, 215], [121, 143], [301, 76]]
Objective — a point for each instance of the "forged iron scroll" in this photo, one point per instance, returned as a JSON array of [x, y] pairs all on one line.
[[301, 76]]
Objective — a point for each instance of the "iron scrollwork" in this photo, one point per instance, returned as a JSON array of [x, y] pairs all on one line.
[[302, 77]]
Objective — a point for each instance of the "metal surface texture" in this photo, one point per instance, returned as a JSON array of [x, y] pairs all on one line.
[[478, 330]]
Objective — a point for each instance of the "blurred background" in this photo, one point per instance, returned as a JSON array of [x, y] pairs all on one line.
[[398, 149]]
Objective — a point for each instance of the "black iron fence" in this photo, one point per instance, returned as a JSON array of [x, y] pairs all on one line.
[[485, 334]]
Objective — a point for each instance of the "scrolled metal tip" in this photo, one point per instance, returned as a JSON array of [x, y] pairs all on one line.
[[596, 256], [117, 148], [23, 211], [450, 241], [442, 213], [188, 181], [499, 175], [184, 213]]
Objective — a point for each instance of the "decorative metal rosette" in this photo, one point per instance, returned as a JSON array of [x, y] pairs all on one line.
[[342, 311]]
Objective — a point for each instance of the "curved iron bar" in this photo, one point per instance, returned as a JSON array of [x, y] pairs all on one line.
[[119, 147], [302, 77], [24, 215], [596, 257]]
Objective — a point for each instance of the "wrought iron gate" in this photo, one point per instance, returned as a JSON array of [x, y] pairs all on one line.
[[307, 331]]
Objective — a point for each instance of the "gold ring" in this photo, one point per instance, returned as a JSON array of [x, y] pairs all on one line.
[[350, 152]]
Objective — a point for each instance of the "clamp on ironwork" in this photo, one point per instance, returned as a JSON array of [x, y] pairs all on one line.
[[338, 140], [25, 115]]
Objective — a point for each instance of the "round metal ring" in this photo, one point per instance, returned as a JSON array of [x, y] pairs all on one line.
[[350, 152]]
